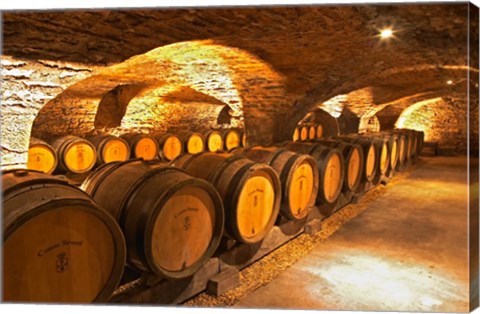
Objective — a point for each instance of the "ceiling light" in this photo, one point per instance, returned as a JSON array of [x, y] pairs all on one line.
[[386, 33], [449, 82]]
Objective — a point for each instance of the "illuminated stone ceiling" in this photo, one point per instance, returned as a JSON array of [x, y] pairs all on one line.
[[270, 65]]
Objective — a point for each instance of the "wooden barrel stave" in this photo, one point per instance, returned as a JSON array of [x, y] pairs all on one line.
[[59, 246]]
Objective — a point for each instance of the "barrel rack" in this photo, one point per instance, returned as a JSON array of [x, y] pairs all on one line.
[[219, 274]]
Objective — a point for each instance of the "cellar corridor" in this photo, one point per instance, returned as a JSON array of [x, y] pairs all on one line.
[[293, 157], [400, 254]]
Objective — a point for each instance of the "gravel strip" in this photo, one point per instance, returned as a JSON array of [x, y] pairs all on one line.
[[269, 267]]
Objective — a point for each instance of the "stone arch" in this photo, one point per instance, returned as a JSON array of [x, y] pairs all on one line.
[[113, 105], [329, 123], [225, 115], [443, 120], [376, 86], [199, 69]]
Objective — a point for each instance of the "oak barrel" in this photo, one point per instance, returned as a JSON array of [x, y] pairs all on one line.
[[369, 153], [319, 130], [41, 156], [331, 172], [58, 245], [298, 176], [142, 145], [402, 152], [416, 142], [383, 153], [304, 129], [393, 149], [194, 142], [172, 222], [296, 134], [75, 154], [110, 148], [214, 140], [250, 191], [409, 143], [353, 159], [312, 132], [231, 139], [170, 146]]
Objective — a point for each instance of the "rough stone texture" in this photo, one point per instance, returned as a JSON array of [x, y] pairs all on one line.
[[444, 121], [26, 87], [226, 75], [369, 124], [473, 107], [271, 66]]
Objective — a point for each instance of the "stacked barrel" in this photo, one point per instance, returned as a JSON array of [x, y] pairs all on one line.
[[307, 131], [172, 222], [365, 160], [161, 203], [74, 157], [250, 191], [329, 162], [298, 177]]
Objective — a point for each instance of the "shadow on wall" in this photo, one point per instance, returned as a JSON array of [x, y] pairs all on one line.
[[348, 122], [329, 124]]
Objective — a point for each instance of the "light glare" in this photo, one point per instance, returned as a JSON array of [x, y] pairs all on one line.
[[386, 33]]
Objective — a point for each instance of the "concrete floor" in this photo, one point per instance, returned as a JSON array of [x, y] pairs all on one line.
[[406, 252]]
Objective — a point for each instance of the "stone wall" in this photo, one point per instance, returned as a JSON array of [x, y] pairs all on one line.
[[443, 121], [26, 87]]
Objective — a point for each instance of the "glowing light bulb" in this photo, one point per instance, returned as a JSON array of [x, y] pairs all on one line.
[[386, 33], [449, 82]]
